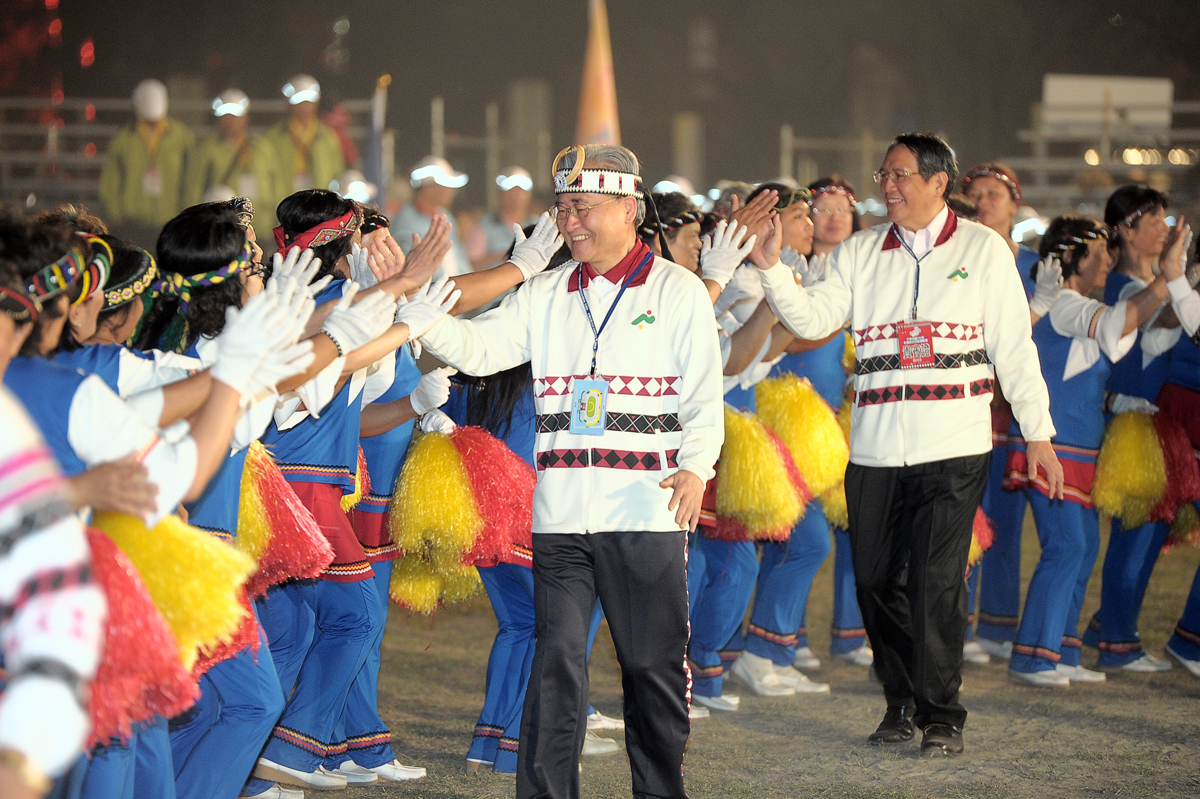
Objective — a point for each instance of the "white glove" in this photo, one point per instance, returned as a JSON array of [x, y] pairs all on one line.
[[1123, 402], [248, 336], [808, 272], [1187, 247], [278, 366], [437, 422], [723, 251], [360, 268], [295, 305], [532, 255], [301, 265], [432, 391], [1047, 286], [428, 304], [353, 326]]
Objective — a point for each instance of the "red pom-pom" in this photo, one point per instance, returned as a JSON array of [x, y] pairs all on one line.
[[245, 637], [297, 549], [982, 530], [1183, 477], [502, 485], [140, 675]]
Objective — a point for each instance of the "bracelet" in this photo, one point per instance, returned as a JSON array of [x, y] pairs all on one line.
[[26, 770], [334, 340]]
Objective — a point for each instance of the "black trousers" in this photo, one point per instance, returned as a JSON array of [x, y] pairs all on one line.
[[910, 535], [641, 579]]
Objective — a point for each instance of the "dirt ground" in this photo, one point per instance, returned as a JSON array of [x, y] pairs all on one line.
[[1136, 735]]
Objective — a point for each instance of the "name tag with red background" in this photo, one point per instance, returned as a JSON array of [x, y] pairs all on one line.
[[916, 345]]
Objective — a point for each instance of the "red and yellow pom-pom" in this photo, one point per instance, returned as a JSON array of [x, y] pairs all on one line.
[[791, 407], [760, 494], [982, 537], [245, 637], [1131, 473], [1183, 478], [1185, 530], [362, 483], [502, 485]]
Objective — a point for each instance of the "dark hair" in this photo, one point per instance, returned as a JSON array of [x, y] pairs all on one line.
[[671, 206], [129, 260], [73, 216], [933, 155], [835, 182], [782, 188], [1068, 235], [305, 210], [30, 247], [963, 207], [1129, 200], [200, 239], [492, 400]]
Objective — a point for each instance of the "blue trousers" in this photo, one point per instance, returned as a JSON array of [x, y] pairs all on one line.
[[1186, 639], [348, 619], [1128, 564], [1000, 569], [215, 749], [153, 774], [718, 608], [847, 632], [360, 734], [110, 770], [785, 577], [1070, 537]]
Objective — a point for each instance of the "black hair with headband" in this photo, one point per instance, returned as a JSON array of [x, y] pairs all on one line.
[[1128, 203], [1067, 237]]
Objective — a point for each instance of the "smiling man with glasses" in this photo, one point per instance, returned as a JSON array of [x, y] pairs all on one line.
[[938, 314]]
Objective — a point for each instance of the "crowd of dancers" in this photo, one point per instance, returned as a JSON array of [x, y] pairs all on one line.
[[204, 484]]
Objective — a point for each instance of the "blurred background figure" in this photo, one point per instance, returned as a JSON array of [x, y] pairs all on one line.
[[308, 153], [235, 163], [489, 241], [435, 185], [142, 181], [352, 185]]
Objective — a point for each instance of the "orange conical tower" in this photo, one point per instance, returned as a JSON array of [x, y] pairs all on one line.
[[598, 123]]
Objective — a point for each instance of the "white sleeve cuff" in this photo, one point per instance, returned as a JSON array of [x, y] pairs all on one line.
[[1186, 303]]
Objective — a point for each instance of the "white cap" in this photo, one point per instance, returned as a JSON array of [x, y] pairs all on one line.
[[353, 186], [515, 178], [302, 89], [435, 169], [233, 102], [150, 100]]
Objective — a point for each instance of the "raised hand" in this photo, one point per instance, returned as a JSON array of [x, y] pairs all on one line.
[[532, 255], [723, 251]]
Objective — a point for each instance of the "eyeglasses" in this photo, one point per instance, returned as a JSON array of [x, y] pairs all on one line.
[[580, 211], [898, 176], [831, 211], [797, 195], [257, 269]]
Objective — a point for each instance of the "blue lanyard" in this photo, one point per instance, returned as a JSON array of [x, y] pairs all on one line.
[[917, 278], [587, 309]]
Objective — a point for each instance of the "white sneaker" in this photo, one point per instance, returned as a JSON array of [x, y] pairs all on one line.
[[1192, 666], [861, 656], [798, 681], [356, 774], [319, 780], [1079, 673], [758, 674], [698, 711], [599, 721], [1147, 664], [388, 772], [475, 766], [593, 744], [805, 659], [716, 702], [277, 792], [1039, 679], [1000, 649], [974, 653]]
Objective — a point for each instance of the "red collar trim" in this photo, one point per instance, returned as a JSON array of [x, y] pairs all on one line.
[[892, 240], [618, 273]]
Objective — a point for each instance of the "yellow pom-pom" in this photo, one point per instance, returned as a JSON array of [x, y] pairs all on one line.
[[754, 487], [1131, 474], [844, 416], [361, 480], [791, 407], [415, 585], [193, 578], [849, 355], [1186, 527], [432, 508], [833, 503], [254, 531], [460, 585]]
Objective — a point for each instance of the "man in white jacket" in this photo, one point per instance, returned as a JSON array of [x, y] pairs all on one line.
[[935, 307], [627, 385]]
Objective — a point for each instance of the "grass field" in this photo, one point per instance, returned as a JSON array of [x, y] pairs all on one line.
[[1136, 735]]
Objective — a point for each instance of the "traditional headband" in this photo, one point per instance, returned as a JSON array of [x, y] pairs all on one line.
[[243, 209], [1071, 242], [593, 181], [125, 292], [372, 221], [95, 274], [20, 309], [332, 230], [1133, 215], [58, 276], [985, 171], [835, 189], [176, 285], [686, 218]]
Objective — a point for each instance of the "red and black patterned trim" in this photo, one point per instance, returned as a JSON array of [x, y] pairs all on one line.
[[615, 423], [921, 393], [891, 363], [47, 582], [621, 459]]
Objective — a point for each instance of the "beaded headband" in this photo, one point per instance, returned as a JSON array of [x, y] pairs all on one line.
[[321, 234], [243, 209], [1133, 215], [985, 171], [578, 180], [120, 294], [686, 218], [176, 285], [95, 274], [1071, 242], [20, 309], [372, 221], [835, 189], [58, 276]]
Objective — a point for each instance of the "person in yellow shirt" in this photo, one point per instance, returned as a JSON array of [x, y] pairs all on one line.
[[308, 154], [235, 163], [142, 180]]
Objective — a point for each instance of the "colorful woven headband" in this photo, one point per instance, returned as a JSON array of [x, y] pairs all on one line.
[[1071, 242], [20, 309], [1133, 215], [578, 180], [985, 171], [58, 276], [95, 274], [372, 221], [835, 189], [176, 285], [127, 291], [334, 229], [686, 218]]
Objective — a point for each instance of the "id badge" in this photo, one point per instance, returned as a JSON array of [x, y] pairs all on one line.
[[916, 345], [152, 183], [588, 407]]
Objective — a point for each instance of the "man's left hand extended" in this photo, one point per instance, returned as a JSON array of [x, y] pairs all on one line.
[[1041, 454], [687, 491]]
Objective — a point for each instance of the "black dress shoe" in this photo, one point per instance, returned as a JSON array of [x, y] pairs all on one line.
[[942, 740], [896, 727]]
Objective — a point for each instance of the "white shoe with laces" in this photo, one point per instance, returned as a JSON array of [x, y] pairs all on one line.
[[805, 659], [599, 721], [798, 681], [860, 656], [758, 674], [1079, 673], [1147, 664], [974, 653]]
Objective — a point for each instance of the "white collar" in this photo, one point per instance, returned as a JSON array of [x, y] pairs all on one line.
[[921, 241]]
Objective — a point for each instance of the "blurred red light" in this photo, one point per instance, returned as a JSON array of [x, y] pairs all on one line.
[[56, 27], [87, 53], [89, 112], [51, 5], [89, 150]]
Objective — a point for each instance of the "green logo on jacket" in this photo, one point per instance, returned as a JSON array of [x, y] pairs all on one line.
[[645, 319], [956, 274]]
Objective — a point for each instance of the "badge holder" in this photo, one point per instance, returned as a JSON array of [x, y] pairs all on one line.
[[916, 345], [589, 403]]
